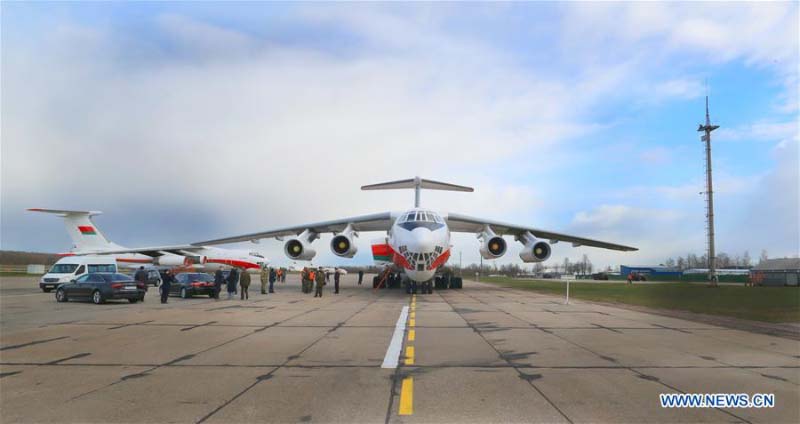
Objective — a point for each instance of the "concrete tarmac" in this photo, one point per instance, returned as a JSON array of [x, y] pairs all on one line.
[[480, 354]]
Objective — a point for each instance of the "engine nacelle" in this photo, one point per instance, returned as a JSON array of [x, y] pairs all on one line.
[[492, 245], [535, 250], [170, 260], [299, 247], [342, 244]]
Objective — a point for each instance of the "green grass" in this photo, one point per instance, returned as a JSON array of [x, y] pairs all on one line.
[[770, 304], [18, 274]]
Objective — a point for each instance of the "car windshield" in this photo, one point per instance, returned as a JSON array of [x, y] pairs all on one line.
[[199, 277], [63, 268], [116, 277]]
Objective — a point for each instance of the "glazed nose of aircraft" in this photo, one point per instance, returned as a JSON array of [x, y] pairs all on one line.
[[422, 240]]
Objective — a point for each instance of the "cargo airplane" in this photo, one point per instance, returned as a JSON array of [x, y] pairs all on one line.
[[418, 239], [89, 240]]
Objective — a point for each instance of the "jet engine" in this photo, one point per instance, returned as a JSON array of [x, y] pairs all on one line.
[[342, 244], [535, 250], [300, 247], [492, 245], [170, 259]]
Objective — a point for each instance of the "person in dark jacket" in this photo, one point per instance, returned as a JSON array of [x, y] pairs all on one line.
[[336, 280], [219, 278], [273, 275], [166, 284], [360, 276], [141, 277], [233, 279]]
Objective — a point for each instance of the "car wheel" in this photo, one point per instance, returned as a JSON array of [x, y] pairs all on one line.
[[184, 293], [46, 289], [61, 296], [97, 297], [133, 300]]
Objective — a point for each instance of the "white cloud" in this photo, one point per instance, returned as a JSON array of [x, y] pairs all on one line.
[[759, 131], [257, 133]]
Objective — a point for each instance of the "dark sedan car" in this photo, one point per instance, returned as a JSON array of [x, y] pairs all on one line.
[[101, 286], [188, 284]]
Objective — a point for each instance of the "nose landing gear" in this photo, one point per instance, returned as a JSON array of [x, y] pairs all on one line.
[[425, 287]]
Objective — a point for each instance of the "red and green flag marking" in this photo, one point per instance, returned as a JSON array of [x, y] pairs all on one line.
[[87, 230], [381, 252]]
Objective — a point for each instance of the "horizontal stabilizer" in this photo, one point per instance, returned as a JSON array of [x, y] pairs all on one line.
[[417, 182], [64, 212]]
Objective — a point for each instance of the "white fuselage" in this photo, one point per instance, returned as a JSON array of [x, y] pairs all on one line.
[[210, 259], [420, 243]]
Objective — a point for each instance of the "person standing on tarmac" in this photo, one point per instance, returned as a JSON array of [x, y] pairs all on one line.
[[166, 284], [360, 276], [141, 277], [233, 278], [336, 281], [219, 278], [244, 282], [308, 275], [320, 280], [272, 276], [264, 279]]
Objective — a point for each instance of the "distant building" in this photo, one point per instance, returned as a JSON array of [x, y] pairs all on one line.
[[724, 271], [777, 272], [624, 270]]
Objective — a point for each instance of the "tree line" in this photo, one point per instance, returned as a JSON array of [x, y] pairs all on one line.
[[724, 260]]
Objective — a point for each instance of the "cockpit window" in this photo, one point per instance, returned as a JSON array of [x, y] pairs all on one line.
[[421, 216]]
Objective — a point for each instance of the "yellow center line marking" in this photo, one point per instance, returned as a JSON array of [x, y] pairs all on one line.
[[412, 334], [410, 355], [412, 322], [412, 315], [407, 397]]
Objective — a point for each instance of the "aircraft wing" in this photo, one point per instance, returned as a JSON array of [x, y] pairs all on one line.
[[154, 251], [374, 222], [466, 224]]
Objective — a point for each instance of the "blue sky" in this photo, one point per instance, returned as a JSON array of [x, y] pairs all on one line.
[[187, 121]]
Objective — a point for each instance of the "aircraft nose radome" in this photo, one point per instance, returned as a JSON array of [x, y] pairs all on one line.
[[421, 240]]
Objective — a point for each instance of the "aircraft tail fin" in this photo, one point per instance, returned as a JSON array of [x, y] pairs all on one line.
[[417, 184], [85, 235]]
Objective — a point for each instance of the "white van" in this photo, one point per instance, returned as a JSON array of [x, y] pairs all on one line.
[[71, 267]]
